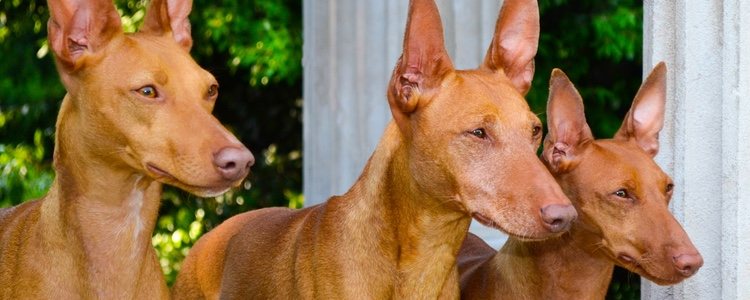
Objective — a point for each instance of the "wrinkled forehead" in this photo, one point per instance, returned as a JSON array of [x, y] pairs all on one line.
[[482, 92], [156, 54], [626, 157]]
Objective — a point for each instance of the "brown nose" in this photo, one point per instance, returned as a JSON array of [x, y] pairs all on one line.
[[233, 163], [557, 217], [688, 264]]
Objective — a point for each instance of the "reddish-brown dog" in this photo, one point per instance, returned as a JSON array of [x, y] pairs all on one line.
[[137, 114], [621, 196], [462, 143]]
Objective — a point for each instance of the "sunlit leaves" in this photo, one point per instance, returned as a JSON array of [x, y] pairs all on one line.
[[258, 37], [23, 174]]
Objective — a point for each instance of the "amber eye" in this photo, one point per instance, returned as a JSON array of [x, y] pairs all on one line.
[[213, 90], [622, 193], [479, 132], [670, 187], [148, 92], [536, 131]]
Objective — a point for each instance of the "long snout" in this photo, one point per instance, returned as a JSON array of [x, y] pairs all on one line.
[[556, 211], [688, 263], [206, 159], [557, 217], [686, 259], [233, 162]]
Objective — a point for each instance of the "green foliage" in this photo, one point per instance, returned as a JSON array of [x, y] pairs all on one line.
[[24, 174], [624, 286], [254, 48], [27, 83], [598, 45], [260, 47]]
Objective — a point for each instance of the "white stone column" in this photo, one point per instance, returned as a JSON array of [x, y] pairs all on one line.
[[705, 145], [350, 49]]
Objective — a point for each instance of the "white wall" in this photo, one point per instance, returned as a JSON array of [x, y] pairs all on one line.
[[706, 142], [350, 49]]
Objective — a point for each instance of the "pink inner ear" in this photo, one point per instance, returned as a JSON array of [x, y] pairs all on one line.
[[522, 82], [651, 145], [647, 115], [559, 150], [76, 28], [410, 83], [183, 37], [412, 77], [515, 42], [171, 16], [406, 92], [76, 47]]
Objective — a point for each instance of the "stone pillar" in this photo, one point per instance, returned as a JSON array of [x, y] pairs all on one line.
[[350, 49], [705, 144]]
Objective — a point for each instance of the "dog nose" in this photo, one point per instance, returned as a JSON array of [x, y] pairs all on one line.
[[557, 217], [688, 264], [233, 163]]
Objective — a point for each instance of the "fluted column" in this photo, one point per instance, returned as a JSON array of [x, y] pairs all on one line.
[[706, 141]]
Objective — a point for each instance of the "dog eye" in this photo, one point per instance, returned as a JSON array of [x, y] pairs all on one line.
[[622, 193], [479, 132], [148, 92], [536, 131], [213, 90], [670, 187]]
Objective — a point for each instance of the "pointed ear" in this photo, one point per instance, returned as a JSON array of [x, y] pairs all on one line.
[[423, 63], [566, 121], [170, 16], [79, 27], [646, 116], [515, 42]]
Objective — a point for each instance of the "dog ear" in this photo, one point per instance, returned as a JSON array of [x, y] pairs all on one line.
[[515, 42], [170, 16], [646, 116], [566, 121], [423, 63], [78, 27]]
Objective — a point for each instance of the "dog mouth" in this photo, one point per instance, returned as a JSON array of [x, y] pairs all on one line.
[[202, 191], [486, 221], [634, 265], [631, 263], [159, 172]]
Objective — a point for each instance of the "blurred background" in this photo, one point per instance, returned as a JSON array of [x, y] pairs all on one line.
[[254, 48]]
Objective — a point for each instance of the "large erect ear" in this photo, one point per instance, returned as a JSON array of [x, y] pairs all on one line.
[[646, 116], [170, 16], [566, 121], [515, 42], [424, 61], [78, 27]]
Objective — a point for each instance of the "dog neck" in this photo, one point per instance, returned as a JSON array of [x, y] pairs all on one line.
[[568, 267], [103, 214], [419, 234]]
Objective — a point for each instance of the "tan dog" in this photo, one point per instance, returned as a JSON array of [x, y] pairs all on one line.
[[462, 143], [137, 114], [621, 196]]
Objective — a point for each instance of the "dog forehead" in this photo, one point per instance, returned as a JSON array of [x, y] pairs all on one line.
[[156, 57], [626, 159], [480, 90], [139, 48]]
